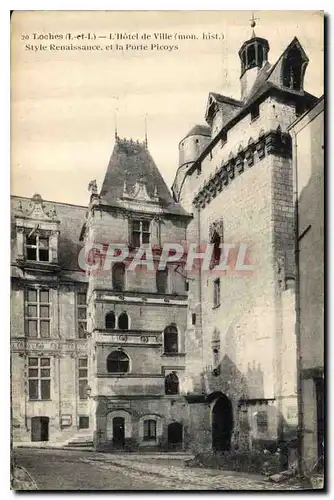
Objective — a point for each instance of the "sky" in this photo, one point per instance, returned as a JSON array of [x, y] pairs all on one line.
[[64, 104]]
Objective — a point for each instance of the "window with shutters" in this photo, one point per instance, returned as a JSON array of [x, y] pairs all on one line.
[[39, 378], [83, 377], [150, 430], [38, 313], [82, 315]]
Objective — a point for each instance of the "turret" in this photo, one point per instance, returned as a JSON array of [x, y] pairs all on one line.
[[190, 147], [253, 55]]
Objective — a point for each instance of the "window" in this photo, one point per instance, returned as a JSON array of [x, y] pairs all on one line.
[[216, 240], [83, 377], [223, 139], [170, 339], [83, 422], [255, 112], [150, 430], [162, 281], [193, 319], [140, 232], [186, 285], [38, 313], [37, 247], [39, 377], [251, 56], [262, 421], [216, 293], [118, 277], [123, 321], [172, 383], [82, 314], [292, 70], [117, 362], [110, 320]]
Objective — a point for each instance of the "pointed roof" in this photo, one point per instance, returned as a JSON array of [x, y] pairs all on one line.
[[131, 164]]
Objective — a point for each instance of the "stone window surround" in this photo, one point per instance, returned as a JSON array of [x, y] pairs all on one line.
[[116, 321]]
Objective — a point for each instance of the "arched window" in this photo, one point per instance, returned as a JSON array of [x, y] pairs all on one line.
[[170, 339], [117, 362], [123, 321], [118, 277], [150, 430], [162, 281], [110, 320], [172, 383]]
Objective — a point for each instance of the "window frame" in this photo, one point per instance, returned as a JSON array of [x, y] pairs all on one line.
[[82, 378], [40, 378], [119, 352], [37, 246], [81, 321], [262, 423], [216, 293], [87, 420], [168, 334], [140, 231], [38, 319], [150, 436], [165, 274]]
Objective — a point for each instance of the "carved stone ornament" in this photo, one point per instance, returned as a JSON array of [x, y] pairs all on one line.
[[217, 227]]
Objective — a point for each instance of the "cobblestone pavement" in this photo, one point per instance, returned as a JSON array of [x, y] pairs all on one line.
[[79, 470]]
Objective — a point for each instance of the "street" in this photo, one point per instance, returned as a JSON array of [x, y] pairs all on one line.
[[82, 470]]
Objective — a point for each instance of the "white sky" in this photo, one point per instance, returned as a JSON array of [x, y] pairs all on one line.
[[63, 102]]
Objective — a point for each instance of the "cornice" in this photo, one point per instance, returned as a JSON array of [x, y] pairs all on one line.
[[270, 143]]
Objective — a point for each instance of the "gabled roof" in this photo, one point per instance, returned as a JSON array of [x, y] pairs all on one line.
[[130, 163]]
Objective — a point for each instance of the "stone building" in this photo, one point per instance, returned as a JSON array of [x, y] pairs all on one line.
[[133, 357], [308, 154], [99, 355], [235, 177]]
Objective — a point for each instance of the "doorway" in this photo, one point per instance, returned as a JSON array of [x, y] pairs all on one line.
[[175, 435], [118, 432], [40, 429], [222, 424]]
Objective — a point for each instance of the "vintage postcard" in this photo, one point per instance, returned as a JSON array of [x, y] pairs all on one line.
[[167, 198]]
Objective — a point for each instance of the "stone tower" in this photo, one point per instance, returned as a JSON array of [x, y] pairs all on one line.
[[240, 192], [136, 312]]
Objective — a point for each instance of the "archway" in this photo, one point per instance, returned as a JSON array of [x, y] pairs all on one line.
[[222, 424]]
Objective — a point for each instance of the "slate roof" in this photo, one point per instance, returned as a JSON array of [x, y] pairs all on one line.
[[131, 161], [199, 130]]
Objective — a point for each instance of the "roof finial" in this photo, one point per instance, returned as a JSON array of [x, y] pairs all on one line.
[[253, 24], [146, 131], [115, 120]]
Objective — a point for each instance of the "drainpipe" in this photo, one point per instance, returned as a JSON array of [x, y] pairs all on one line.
[[297, 308], [200, 291]]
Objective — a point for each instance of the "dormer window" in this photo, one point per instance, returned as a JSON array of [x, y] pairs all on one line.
[[37, 247], [293, 69], [140, 233]]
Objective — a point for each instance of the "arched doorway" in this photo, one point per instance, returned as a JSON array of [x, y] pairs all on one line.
[[118, 432], [175, 435], [222, 424]]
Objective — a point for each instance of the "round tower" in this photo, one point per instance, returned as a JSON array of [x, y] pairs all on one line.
[[190, 147]]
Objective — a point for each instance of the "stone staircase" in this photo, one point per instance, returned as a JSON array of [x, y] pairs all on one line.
[[80, 442]]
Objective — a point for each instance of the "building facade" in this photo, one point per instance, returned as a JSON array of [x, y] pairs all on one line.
[[241, 353], [131, 356], [308, 147]]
